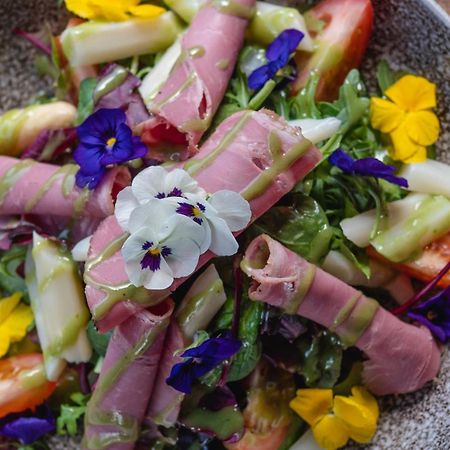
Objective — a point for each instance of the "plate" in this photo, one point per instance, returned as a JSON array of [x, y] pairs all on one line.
[[409, 34]]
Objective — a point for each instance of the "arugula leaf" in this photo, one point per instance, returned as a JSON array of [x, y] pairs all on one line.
[[248, 356], [10, 262], [303, 227], [86, 99], [67, 422]]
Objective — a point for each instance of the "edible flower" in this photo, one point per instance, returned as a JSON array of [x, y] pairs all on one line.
[[113, 10], [28, 428], [221, 214], [407, 117], [336, 420], [278, 54], [435, 315], [105, 139], [162, 246], [15, 318], [217, 216], [365, 167], [201, 360], [154, 183]]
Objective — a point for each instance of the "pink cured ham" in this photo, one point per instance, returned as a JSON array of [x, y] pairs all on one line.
[[401, 357], [165, 402], [187, 102], [255, 153], [30, 187], [118, 405]]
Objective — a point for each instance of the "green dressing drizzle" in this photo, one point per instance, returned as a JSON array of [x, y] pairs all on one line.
[[234, 8], [67, 170], [194, 166], [110, 82], [197, 51], [223, 64], [360, 318], [120, 292], [301, 291], [345, 312], [280, 163], [194, 307], [189, 80], [128, 426], [12, 176]]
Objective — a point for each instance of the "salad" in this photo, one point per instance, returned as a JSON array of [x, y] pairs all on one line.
[[213, 235]]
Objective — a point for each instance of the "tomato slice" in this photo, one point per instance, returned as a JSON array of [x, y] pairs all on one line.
[[341, 43], [433, 259], [22, 383]]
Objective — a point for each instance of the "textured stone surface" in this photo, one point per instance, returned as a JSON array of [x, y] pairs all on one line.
[[410, 34]]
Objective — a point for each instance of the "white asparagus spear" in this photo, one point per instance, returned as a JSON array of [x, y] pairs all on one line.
[[59, 305]]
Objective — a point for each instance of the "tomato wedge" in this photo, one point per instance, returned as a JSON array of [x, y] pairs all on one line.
[[341, 29], [22, 383], [433, 259]]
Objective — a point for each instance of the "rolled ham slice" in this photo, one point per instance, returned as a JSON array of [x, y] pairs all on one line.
[[118, 404], [165, 402], [184, 107], [30, 187], [401, 357], [255, 153]]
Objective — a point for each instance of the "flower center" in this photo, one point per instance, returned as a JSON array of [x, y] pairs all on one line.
[[153, 256], [193, 211], [431, 315], [111, 141]]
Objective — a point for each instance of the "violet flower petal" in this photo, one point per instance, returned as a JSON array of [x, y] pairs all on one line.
[[365, 167], [28, 428], [202, 359], [435, 315], [278, 54], [105, 139]]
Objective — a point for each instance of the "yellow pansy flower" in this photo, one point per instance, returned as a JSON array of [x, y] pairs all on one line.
[[112, 10], [407, 117], [336, 420], [15, 318]]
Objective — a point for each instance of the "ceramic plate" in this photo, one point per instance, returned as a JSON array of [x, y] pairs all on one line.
[[409, 34]]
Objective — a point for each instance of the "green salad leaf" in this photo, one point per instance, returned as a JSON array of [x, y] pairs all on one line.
[[302, 227], [10, 262], [67, 422], [86, 99], [99, 341], [320, 358]]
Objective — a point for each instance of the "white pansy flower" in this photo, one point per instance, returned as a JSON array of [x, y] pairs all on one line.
[[162, 245], [220, 215], [154, 183]]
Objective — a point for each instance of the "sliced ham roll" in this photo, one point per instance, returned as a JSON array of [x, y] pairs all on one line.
[[30, 187], [185, 105], [118, 404], [255, 153], [165, 402], [401, 357]]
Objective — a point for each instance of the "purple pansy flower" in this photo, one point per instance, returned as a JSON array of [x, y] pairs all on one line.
[[105, 139], [370, 167], [153, 256], [201, 360], [194, 211], [278, 54], [28, 428], [435, 315]]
